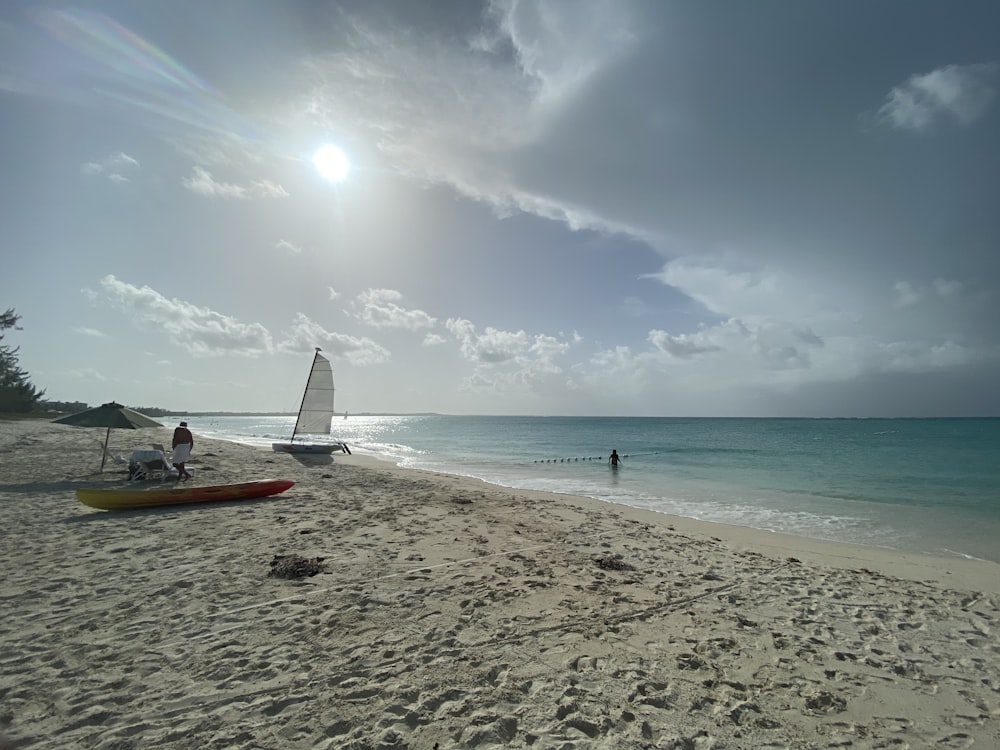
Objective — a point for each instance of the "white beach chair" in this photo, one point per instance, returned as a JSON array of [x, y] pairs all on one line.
[[157, 469]]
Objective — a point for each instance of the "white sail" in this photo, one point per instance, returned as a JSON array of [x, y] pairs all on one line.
[[317, 401]]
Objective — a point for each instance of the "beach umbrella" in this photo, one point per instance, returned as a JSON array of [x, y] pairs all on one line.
[[109, 415]]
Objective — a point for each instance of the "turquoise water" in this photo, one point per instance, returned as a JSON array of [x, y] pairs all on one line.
[[927, 485]]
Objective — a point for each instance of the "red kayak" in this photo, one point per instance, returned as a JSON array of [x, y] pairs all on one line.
[[129, 499]]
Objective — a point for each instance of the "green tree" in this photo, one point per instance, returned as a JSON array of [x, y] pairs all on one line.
[[17, 394]]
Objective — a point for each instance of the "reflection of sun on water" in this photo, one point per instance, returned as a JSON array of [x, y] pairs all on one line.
[[332, 163]]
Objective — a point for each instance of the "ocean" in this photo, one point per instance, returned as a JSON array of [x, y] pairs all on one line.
[[919, 485]]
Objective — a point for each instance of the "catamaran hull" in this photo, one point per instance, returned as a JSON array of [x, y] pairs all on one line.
[[314, 448], [131, 499]]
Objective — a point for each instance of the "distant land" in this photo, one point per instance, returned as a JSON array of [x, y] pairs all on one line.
[[72, 407], [290, 414]]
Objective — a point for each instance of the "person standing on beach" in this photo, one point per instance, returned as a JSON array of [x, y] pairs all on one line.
[[614, 459], [183, 445]]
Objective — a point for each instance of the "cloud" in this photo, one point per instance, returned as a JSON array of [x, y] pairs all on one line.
[[753, 348], [783, 330], [267, 189], [305, 334], [511, 362], [202, 182], [943, 291], [88, 373], [728, 285], [378, 308], [200, 330], [113, 167], [494, 348], [490, 347], [682, 346], [959, 92], [433, 339], [93, 332], [555, 45], [289, 247], [205, 332], [121, 159], [471, 111]]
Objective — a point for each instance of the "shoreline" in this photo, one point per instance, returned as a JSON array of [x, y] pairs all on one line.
[[960, 570], [457, 612], [964, 571], [881, 504]]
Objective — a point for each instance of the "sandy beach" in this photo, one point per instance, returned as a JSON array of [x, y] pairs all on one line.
[[448, 613]]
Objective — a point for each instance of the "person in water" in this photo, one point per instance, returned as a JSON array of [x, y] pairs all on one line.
[[614, 459], [183, 445]]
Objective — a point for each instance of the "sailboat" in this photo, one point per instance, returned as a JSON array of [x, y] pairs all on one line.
[[315, 412]]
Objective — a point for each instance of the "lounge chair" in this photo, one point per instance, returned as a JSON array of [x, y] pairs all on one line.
[[152, 470], [113, 458]]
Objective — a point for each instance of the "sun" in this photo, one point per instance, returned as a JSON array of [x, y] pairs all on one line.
[[332, 163]]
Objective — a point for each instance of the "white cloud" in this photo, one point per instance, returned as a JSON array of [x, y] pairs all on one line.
[[267, 189], [961, 92], [490, 347], [93, 332], [88, 373], [378, 308], [202, 182], [121, 159], [461, 112], [305, 334], [113, 167], [505, 360], [433, 339], [750, 348], [289, 247], [200, 330], [556, 44], [546, 349], [726, 286], [205, 332], [512, 362], [683, 345]]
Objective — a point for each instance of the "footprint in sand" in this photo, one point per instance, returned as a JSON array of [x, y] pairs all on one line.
[[956, 741]]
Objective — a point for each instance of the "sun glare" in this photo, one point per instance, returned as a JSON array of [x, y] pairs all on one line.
[[332, 163]]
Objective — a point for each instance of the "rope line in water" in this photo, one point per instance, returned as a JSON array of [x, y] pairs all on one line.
[[590, 458]]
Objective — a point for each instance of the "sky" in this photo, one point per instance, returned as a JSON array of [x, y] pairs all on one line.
[[552, 207]]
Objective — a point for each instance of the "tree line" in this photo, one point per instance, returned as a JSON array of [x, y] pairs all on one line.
[[17, 393]]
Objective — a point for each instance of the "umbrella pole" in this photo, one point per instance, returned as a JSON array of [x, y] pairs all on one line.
[[104, 455]]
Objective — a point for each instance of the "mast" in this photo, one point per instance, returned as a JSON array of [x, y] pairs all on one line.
[[305, 392]]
